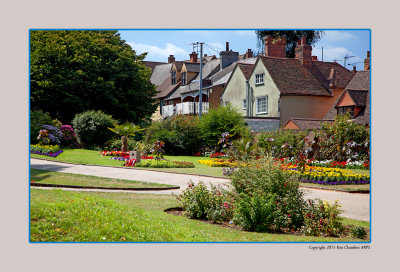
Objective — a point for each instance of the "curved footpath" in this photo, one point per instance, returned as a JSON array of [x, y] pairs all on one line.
[[355, 206]]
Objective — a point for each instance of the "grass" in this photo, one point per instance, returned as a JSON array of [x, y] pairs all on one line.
[[50, 177], [84, 156], [61, 216]]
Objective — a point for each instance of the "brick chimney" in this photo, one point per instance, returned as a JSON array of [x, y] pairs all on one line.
[[275, 47], [228, 56], [367, 62], [171, 59], [249, 54], [193, 57], [354, 69], [314, 58], [303, 52]]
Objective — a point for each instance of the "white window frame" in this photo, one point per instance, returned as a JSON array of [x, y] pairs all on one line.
[[184, 78], [259, 79], [266, 104], [244, 103]]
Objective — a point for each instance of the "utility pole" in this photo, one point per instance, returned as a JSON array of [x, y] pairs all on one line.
[[201, 80]]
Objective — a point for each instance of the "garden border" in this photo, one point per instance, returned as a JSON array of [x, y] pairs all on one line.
[[200, 175]]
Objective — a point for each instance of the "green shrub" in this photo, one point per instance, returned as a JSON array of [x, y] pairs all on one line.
[[221, 207], [218, 121], [91, 128], [164, 164], [115, 144], [322, 219], [282, 143], [256, 212], [358, 232], [265, 178], [244, 149], [195, 200]]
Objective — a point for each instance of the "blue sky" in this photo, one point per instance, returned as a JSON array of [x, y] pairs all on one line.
[[162, 43]]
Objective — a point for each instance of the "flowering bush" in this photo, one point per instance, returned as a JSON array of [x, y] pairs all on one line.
[[218, 155], [162, 163], [68, 136], [158, 149], [322, 218], [114, 153], [50, 134]]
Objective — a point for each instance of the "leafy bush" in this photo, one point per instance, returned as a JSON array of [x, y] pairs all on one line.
[[358, 232], [115, 144], [218, 121], [282, 143], [213, 204], [322, 218], [125, 130], [91, 127], [265, 179], [68, 136], [180, 134], [50, 135], [343, 140], [256, 212], [244, 149]]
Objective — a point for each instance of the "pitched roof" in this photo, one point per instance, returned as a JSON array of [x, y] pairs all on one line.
[[307, 123], [359, 82], [246, 69], [293, 78], [165, 88], [192, 67], [152, 64], [160, 73]]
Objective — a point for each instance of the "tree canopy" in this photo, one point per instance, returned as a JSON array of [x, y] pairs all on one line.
[[292, 36], [73, 71]]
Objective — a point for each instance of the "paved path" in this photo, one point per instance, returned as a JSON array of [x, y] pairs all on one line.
[[355, 206]]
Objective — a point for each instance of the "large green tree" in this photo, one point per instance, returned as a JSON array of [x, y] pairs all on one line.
[[292, 36], [73, 71]]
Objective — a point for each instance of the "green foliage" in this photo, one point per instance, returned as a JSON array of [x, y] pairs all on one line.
[[282, 143], [322, 218], [244, 149], [180, 134], [115, 144], [126, 129], [265, 179], [73, 71], [255, 213], [344, 139], [212, 203], [218, 121], [38, 118], [292, 36], [358, 232], [91, 128]]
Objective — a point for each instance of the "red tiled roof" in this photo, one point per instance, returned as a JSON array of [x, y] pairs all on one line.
[[246, 68], [306, 123]]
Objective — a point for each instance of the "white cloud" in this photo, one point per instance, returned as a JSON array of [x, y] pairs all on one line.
[[336, 53], [155, 51], [243, 33], [336, 35]]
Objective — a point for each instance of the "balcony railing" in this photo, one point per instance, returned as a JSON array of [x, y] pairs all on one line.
[[184, 108]]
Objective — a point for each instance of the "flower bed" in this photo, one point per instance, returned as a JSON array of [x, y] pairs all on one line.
[[162, 163], [218, 163], [327, 176], [46, 150], [331, 163], [122, 156]]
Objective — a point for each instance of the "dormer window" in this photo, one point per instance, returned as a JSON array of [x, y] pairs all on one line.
[[184, 78], [346, 109], [259, 79], [173, 78]]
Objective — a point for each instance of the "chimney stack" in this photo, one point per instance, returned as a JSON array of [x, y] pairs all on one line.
[[275, 47], [228, 57], [249, 54], [303, 52], [227, 46], [193, 57], [367, 62], [171, 59], [354, 69], [314, 58]]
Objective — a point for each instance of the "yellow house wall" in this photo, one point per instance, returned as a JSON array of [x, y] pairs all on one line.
[[235, 91], [268, 88]]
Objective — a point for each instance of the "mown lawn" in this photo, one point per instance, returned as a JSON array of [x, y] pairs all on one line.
[[61, 216], [50, 177], [84, 156]]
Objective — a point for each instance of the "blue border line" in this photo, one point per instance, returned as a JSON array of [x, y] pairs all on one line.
[[195, 29]]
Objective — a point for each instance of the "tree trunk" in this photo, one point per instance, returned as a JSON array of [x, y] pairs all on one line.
[[124, 145]]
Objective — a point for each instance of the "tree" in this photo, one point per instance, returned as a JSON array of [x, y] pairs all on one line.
[[74, 71], [292, 36], [125, 130]]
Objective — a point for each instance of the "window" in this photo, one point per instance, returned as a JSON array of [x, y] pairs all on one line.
[[262, 105], [346, 109], [173, 78], [184, 78], [244, 104], [259, 79]]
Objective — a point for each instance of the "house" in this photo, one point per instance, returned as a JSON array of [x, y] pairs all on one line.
[[277, 88], [305, 123], [178, 91], [355, 98]]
